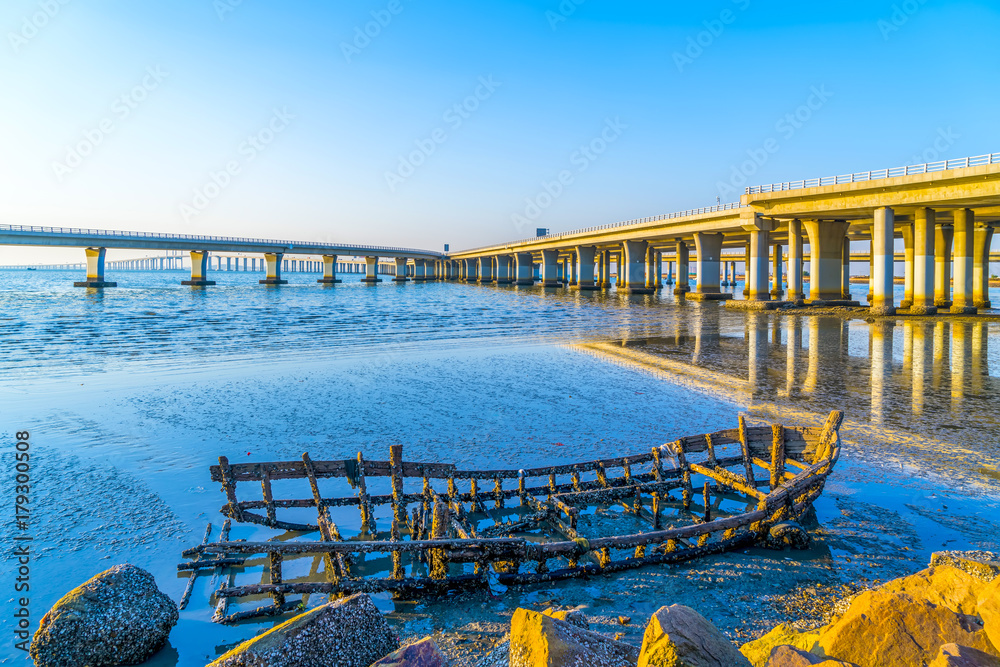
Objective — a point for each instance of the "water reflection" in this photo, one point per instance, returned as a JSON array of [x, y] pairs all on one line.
[[918, 378]]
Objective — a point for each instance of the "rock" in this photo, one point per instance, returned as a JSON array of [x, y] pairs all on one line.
[[988, 609], [944, 585], [119, 617], [789, 656], [787, 534], [886, 629], [984, 565], [953, 655], [537, 640], [498, 657], [624, 620], [758, 652], [349, 633], [571, 616], [678, 636], [425, 653]]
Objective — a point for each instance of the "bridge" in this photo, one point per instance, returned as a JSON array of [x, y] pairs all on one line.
[[944, 212], [97, 241]]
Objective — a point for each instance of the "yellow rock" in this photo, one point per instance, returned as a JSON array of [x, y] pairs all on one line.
[[571, 616], [989, 610], [678, 636], [887, 629], [537, 640], [758, 652], [789, 656], [953, 655], [943, 585]]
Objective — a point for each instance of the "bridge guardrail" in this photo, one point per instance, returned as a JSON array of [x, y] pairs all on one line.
[[614, 225], [862, 176], [77, 231]]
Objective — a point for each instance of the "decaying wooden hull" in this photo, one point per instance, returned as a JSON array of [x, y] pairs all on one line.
[[512, 527]]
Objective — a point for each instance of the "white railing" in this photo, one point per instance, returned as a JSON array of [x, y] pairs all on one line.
[[860, 177], [154, 236], [615, 225]]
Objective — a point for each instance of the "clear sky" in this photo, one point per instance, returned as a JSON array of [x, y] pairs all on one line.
[[422, 122]]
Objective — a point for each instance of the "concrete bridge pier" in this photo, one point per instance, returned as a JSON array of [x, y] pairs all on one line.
[[371, 271], [746, 271], [471, 270], [199, 270], [725, 274], [273, 262], [923, 262], [683, 258], [329, 271], [430, 269], [826, 261], [670, 274], [587, 255], [95, 269], [982, 239], [652, 278], [796, 293], [907, 231], [400, 270], [485, 270], [845, 277], [883, 262], [777, 287], [525, 268], [634, 261], [419, 270], [550, 268], [944, 236], [709, 247], [759, 275], [603, 277], [504, 270]]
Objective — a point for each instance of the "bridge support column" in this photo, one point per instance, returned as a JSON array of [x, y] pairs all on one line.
[[725, 274], [962, 302], [504, 263], [371, 271], [652, 280], [983, 240], [944, 236], [95, 269], [795, 279], [907, 231], [778, 288], [400, 270], [826, 262], [587, 255], [759, 274], [199, 270], [670, 274], [845, 279], [485, 269], [525, 268], [419, 270], [471, 267], [683, 272], [883, 262], [746, 272], [634, 265], [329, 271], [550, 268], [709, 247], [923, 262], [274, 262]]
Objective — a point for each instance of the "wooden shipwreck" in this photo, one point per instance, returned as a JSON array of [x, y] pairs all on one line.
[[436, 528]]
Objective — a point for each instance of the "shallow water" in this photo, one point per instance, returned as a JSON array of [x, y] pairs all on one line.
[[131, 393]]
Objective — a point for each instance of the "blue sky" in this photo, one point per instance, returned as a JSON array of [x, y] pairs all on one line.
[[284, 120]]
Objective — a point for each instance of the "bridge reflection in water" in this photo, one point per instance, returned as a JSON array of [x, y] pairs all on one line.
[[923, 386]]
